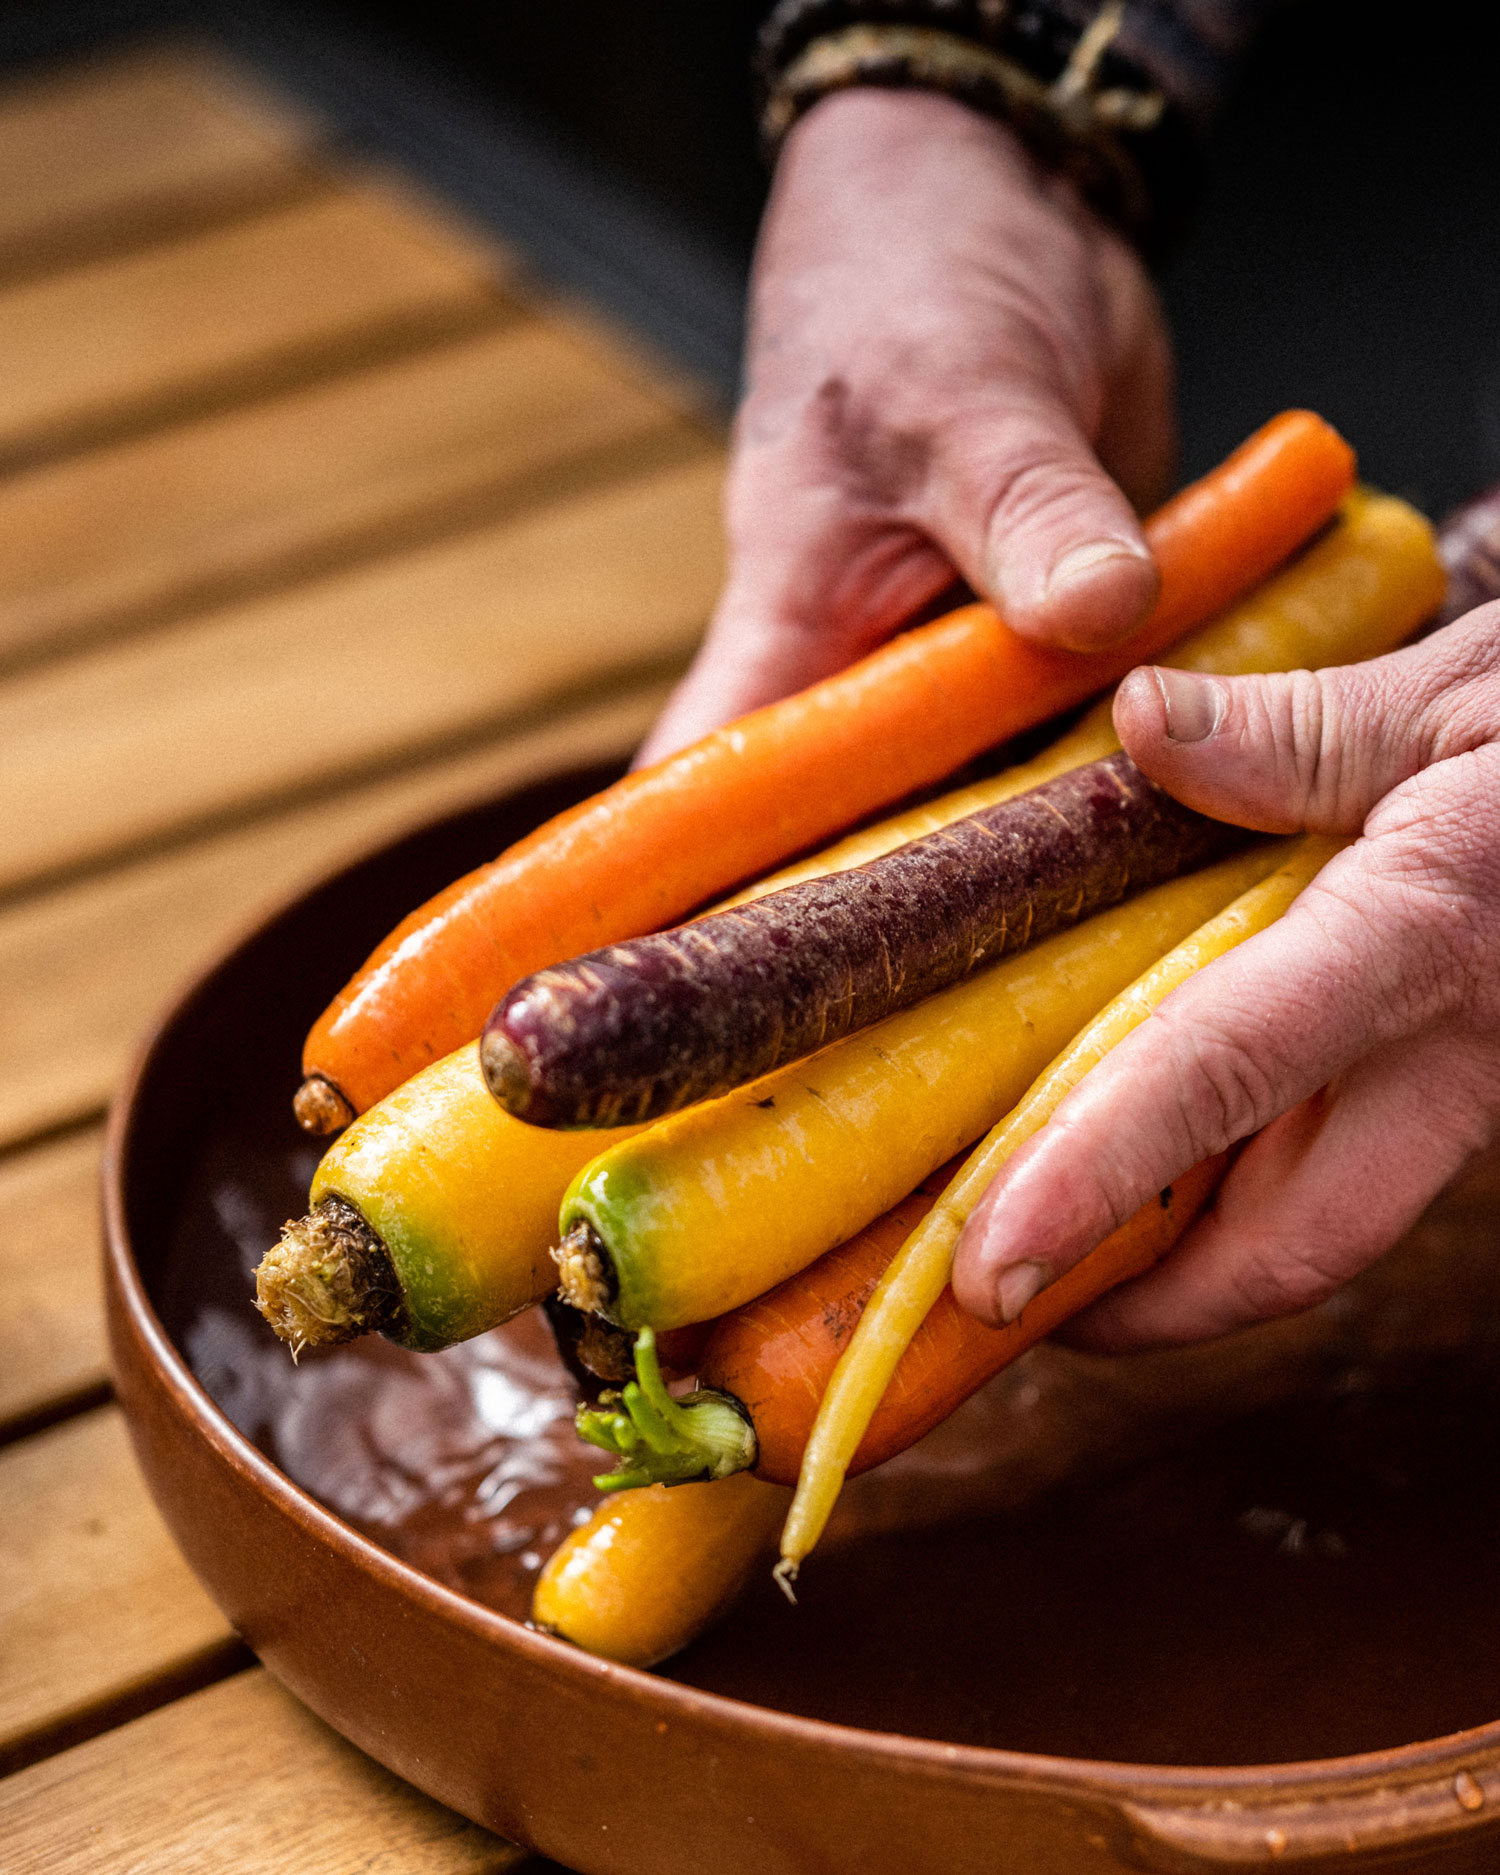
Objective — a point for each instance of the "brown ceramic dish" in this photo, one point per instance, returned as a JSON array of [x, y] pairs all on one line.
[[608, 1769]]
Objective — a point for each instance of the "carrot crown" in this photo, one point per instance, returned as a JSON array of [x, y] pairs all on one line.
[[660, 1440]]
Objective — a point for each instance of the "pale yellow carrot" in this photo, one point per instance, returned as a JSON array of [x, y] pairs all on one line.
[[920, 1270]]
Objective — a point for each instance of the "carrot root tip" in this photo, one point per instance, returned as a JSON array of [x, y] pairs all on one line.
[[593, 1350], [320, 1107], [505, 1072], [660, 1440], [784, 1575], [583, 1271], [328, 1280]]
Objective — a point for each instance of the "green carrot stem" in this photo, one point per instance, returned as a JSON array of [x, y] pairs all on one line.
[[660, 1440]]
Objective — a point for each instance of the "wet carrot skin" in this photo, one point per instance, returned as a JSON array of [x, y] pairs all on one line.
[[647, 851], [775, 1355], [645, 1028], [652, 1568]]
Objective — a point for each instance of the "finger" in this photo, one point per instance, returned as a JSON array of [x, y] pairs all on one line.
[[1323, 1192], [1022, 505], [1367, 953], [1313, 749], [815, 585], [822, 573]]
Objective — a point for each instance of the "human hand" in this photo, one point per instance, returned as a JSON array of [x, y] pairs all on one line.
[[1358, 1038], [949, 359]]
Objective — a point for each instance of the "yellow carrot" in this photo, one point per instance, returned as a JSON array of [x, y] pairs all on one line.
[[432, 1218], [919, 1272], [717, 1204], [1359, 590], [652, 1568]]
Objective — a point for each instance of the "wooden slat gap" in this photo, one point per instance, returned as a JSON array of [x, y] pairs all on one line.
[[102, 1617], [272, 373], [54, 1356], [220, 1661], [102, 152], [109, 236], [399, 759], [53, 1412], [57, 1129], [678, 439], [238, 1779], [53, 1133]]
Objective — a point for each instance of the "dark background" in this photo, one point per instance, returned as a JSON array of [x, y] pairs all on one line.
[[1346, 254]]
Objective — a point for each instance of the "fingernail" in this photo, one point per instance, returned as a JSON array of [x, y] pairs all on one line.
[[1077, 562], [1194, 706], [1017, 1286]]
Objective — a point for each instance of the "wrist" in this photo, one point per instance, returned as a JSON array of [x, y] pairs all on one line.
[[1081, 107], [912, 242]]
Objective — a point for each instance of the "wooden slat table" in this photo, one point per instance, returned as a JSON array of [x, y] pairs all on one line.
[[316, 525]]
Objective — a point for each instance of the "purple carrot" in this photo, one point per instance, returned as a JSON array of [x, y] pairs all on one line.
[[639, 1030], [1469, 543]]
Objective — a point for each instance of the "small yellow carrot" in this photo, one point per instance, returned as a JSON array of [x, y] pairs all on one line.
[[919, 1272], [652, 1568]]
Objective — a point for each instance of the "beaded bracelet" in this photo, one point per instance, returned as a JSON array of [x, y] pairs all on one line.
[[1067, 93]]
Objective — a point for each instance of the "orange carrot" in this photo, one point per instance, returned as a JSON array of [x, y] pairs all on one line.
[[952, 1354], [651, 848], [764, 1368]]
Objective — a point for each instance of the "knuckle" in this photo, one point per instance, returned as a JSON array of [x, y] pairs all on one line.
[[1461, 711], [1463, 651], [1334, 743], [1280, 730], [1431, 869], [1432, 700], [1042, 482], [1306, 759], [1222, 1090]]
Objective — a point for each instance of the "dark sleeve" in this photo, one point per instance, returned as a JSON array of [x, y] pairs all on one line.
[[1189, 48], [1115, 93]]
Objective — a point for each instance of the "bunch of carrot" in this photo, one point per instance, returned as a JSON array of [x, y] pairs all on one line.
[[879, 1040], [670, 837]]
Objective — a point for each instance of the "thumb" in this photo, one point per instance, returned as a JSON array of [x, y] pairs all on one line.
[[1312, 749], [1026, 512]]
